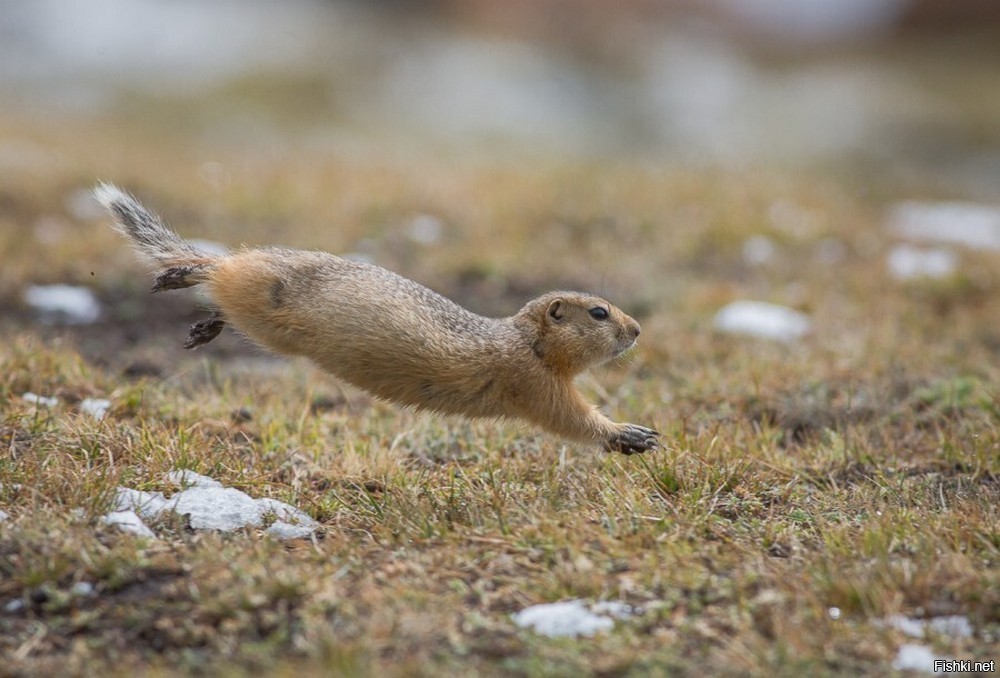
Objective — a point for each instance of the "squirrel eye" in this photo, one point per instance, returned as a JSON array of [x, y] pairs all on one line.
[[599, 313]]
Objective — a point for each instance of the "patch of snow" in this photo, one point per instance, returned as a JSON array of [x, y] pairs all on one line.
[[913, 657], [3, 515], [129, 521], [571, 618], [907, 262], [187, 478], [833, 613], [763, 320], [911, 627], [955, 626], [613, 608], [36, 399], [95, 407], [67, 303], [12, 606], [758, 250], [968, 224]]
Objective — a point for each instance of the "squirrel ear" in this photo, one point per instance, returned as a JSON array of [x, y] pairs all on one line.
[[555, 310]]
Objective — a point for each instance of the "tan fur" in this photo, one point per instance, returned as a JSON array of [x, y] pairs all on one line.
[[399, 340]]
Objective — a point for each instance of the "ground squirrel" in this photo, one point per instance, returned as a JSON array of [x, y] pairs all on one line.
[[397, 339]]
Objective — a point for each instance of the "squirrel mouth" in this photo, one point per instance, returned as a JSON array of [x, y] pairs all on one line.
[[621, 350]]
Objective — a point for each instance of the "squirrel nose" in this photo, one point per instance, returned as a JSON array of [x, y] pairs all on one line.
[[635, 330]]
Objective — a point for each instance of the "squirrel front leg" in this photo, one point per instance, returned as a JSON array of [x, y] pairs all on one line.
[[576, 418]]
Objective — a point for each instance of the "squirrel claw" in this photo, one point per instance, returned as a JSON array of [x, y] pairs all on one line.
[[633, 439]]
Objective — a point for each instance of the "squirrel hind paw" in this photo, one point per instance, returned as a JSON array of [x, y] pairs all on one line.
[[633, 439], [177, 277], [205, 330]]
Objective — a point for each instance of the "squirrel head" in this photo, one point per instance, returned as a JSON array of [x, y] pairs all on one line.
[[575, 331]]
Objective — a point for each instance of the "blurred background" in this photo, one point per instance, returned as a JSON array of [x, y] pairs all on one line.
[[734, 83]]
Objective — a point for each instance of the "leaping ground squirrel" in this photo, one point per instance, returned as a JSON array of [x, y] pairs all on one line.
[[397, 339]]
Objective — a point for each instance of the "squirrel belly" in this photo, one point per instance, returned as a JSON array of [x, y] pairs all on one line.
[[396, 338]]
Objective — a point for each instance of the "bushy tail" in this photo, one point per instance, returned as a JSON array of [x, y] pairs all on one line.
[[180, 263]]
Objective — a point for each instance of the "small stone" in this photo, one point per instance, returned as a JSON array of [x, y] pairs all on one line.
[[569, 618], [95, 407], [39, 400], [762, 320], [63, 303], [907, 262], [12, 606]]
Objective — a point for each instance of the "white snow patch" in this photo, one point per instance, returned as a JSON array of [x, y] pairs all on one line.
[[12, 606], [758, 250], [955, 626], [36, 399], [3, 515], [972, 225], [95, 407], [614, 608], [210, 506], [911, 627], [68, 303], [571, 618], [763, 320], [907, 262], [129, 521], [913, 657]]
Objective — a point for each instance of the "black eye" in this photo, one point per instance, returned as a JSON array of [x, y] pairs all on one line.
[[599, 313]]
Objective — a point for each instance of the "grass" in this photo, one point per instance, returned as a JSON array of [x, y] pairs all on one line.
[[857, 471]]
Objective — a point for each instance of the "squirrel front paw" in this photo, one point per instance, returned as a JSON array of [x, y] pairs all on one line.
[[632, 439]]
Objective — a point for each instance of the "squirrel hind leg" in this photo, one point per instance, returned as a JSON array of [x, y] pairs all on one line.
[[205, 330], [179, 277]]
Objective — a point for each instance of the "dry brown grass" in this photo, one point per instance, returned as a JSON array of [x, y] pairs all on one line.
[[859, 470]]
